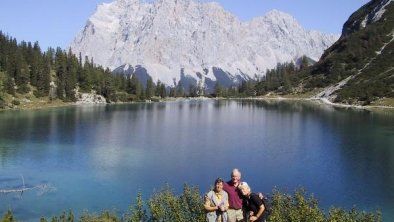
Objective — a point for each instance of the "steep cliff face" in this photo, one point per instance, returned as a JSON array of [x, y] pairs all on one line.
[[193, 43], [360, 64], [369, 13]]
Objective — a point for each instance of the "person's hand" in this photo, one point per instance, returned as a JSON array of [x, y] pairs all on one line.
[[251, 213], [253, 218], [221, 208], [261, 196]]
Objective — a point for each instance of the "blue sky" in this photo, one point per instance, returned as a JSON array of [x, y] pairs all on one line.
[[56, 22]]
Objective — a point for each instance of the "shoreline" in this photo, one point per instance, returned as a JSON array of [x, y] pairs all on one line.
[[58, 104], [323, 101]]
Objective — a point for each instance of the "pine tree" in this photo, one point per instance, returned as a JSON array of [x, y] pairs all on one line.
[[35, 63], [304, 62], [44, 77], [108, 88], [70, 76], [60, 64], [150, 88], [85, 80], [179, 90], [218, 90], [134, 87], [160, 89]]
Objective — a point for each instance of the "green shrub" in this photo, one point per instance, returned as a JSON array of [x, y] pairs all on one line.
[[165, 206], [16, 102], [138, 212], [3, 104], [105, 216], [297, 207], [8, 217]]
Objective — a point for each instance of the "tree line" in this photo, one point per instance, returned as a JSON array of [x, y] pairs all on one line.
[[58, 74], [282, 79]]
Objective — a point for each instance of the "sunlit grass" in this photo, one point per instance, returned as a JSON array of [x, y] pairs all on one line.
[[384, 102]]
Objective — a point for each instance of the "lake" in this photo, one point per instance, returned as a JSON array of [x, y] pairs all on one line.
[[98, 157]]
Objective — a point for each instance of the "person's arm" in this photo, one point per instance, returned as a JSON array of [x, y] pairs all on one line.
[[260, 204], [261, 211], [207, 205], [226, 205]]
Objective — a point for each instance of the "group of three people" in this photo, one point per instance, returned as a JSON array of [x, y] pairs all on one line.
[[233, 201]]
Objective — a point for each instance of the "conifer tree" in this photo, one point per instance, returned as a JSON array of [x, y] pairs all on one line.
[[43, 77], [179, 90], [304, 62], [134, 87], [3, 54], [70, 78], [218, 90], [85, 76], [60, 64], [108, 88], [35, 63], [150, 88]]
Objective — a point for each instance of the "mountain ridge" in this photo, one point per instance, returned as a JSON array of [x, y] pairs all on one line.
[[185, 41]]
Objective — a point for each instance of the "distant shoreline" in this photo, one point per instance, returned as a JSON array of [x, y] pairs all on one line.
[[323, 101], [59, 104]]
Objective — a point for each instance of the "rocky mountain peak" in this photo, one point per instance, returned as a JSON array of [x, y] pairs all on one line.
[[187, 41]]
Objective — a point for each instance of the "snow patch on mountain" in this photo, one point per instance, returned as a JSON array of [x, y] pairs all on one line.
[[376, 14]]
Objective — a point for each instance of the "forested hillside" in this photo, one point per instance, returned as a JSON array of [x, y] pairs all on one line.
[[358, 69], [27, 72], [364, 53]]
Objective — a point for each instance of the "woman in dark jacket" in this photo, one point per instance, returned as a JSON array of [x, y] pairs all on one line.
[[253, 204]]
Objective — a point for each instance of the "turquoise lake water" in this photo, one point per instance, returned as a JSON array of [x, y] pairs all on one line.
[[99, 157]]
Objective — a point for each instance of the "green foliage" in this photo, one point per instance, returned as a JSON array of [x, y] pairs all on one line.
[[8, 217], [160, 90], [16, 102], [218, 91], [64, 217], [281, 79], [2, 84], [303, 207], [2, 103], [340, 215], [363, 52], [150, 88], [23, 68], [137, 212], [102, 217], [297, 207], [191, 202], [164, 205]]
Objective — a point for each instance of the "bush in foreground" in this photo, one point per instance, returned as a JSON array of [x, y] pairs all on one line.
[[165, 206]]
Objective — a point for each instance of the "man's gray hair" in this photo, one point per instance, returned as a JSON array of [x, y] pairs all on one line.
[[235, 170]]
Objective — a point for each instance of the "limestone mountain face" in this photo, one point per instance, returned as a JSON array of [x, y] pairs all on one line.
[[187, 42]]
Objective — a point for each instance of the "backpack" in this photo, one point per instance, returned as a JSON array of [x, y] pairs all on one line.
[[267, 205]]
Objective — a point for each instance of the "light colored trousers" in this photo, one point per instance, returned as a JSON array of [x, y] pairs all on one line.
[[234, 215]]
